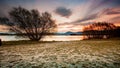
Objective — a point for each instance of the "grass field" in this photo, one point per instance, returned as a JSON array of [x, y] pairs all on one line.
[[72, 54]]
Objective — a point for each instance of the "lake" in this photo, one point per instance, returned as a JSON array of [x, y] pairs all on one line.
[[46, 38]]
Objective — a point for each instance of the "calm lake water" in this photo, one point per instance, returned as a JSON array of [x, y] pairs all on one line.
[[46, 38]]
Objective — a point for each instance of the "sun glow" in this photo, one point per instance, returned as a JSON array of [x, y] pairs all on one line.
[[73, 12]]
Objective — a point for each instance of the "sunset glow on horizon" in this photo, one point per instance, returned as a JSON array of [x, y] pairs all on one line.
[[70, 15]]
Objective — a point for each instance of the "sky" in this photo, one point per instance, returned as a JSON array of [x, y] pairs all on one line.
[[70, 15]]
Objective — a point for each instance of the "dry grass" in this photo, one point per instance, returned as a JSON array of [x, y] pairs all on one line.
[[75, 54]]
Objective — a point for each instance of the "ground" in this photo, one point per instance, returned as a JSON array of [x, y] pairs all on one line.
[[72, 54]]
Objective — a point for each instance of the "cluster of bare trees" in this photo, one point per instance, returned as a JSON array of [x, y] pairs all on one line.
[[30, 23], [101, 30]]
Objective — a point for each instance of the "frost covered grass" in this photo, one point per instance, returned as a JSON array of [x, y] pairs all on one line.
[[72, 54]]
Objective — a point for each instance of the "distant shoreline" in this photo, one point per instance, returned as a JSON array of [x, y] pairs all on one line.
[[19, 42]]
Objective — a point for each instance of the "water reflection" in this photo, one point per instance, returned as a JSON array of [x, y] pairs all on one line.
[[62, 38], [11, 38], [46, 38]]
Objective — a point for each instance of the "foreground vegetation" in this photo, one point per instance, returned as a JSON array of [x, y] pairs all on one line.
[[75, 54]]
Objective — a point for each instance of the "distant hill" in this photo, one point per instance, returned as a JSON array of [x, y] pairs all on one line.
[[69, 33], [59, 33], [79, 33]]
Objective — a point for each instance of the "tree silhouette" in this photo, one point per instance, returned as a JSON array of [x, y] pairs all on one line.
[[3, 20], [99, 30], [31, 23]]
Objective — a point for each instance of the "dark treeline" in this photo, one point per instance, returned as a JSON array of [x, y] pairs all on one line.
[[101, 30]]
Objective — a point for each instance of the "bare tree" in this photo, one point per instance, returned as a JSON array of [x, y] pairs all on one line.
[[31, 23], [99, 30]]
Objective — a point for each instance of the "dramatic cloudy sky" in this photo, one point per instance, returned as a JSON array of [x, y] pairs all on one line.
[[70, 15]]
